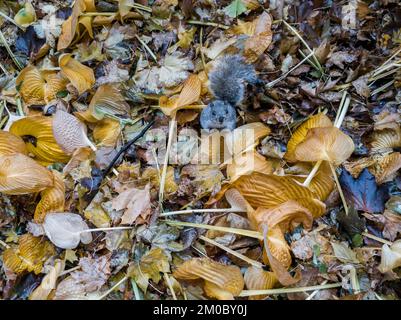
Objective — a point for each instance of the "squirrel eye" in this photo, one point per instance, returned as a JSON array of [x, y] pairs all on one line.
[[213, 113]]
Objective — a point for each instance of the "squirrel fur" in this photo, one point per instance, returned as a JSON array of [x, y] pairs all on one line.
[[227, 83]]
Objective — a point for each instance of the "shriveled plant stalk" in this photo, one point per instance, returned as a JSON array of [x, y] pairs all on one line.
[[234, 253], [168, 281], [147, 48], [11, 20], [10, 52], [104, 295], [373, 237], [340, 190], [206, 23], [248, 293], [242, 232], [189, 211], [106, 229]]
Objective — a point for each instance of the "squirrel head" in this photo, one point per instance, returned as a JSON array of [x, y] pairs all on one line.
[[218, 114]]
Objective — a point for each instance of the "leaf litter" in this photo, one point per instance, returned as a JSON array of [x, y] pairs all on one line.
[[102, 195]]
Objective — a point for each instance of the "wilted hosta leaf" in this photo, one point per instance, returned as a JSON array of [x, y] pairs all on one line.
[[259, 279], [107, 100], [391, 257], [52, 199], [26, 15], [386, 140], [149, 267], [107, 132], [38, 134], [69, 132], [236, 200], [65, 230], [363, 192], [20, 174], [329, 144], [386, 167], [269, 191], [39, 87], [81, 77], [261, 39], [190, 93], [10, 144], [48, 282], [317, 121], [30, 254], [223, 282], [71, 24]]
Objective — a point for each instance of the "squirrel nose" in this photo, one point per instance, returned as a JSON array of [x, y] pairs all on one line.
[[221, 119]]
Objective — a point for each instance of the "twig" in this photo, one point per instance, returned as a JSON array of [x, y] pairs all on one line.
[[211, 24], [243, 232], [371, 236], [234, 253], [340, 190], [5, 245], [124, 149], [104, 295], [4, 41], [167, 278]]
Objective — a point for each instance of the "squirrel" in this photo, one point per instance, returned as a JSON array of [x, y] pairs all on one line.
[[227, 83]]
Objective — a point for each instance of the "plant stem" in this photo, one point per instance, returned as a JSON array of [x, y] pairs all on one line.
[[172, 213], [371, 236], [136, 290], [106, 229], [248, 293], [4, 41], [11, 20], [312, 173], [5, 245], [243, 232], [211, 24], [234, 253], [167, 279], [340, 190], [147, 48], [113, 288]]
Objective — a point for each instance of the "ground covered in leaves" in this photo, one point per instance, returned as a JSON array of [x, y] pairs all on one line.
[[316, 216]]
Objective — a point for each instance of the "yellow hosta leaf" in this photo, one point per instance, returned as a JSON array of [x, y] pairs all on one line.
[[221, 281], [52, 199], [107, 100], [386, 140], [328, 144], [270, 191], [317, 121], [81, 77], [107, 132], [39, 140], [20, 174], [26, 15], [259, 279], [30, 254], [39, 87], [11, 144]]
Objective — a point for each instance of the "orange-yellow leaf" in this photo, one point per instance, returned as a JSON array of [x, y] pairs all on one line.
[[81, 77], [11, 144], [107, 132]]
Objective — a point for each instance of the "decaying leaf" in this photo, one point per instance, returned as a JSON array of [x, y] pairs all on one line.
[[48, 282], [259, 279], [52, 199], [107, 132], [386, 140], [65, 230], [30, 254], [391, 257], [221, 281], [11, 144], [26, 15], [20, 174], [260, 39]]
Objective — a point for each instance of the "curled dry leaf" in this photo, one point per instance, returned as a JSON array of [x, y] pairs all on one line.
[[387, 167], [107, 100], [81, 77], [39, 87], [107, 132], [261, 38], [20, 174], [259, 279], [391, 257], [30, 254], [69, 132], [237, 201], [153, 175], [11, 144], [270, 191], [386, 140], [70, 26], [26, 15], [221, 281], [189, 94], [317, 121], [328, 144], [52, 199], [65, 230], [48, 282], [39, 139]]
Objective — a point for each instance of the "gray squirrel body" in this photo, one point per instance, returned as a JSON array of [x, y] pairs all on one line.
[[227, 83]]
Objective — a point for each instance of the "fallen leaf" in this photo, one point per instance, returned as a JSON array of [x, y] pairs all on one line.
[[81, 77]]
